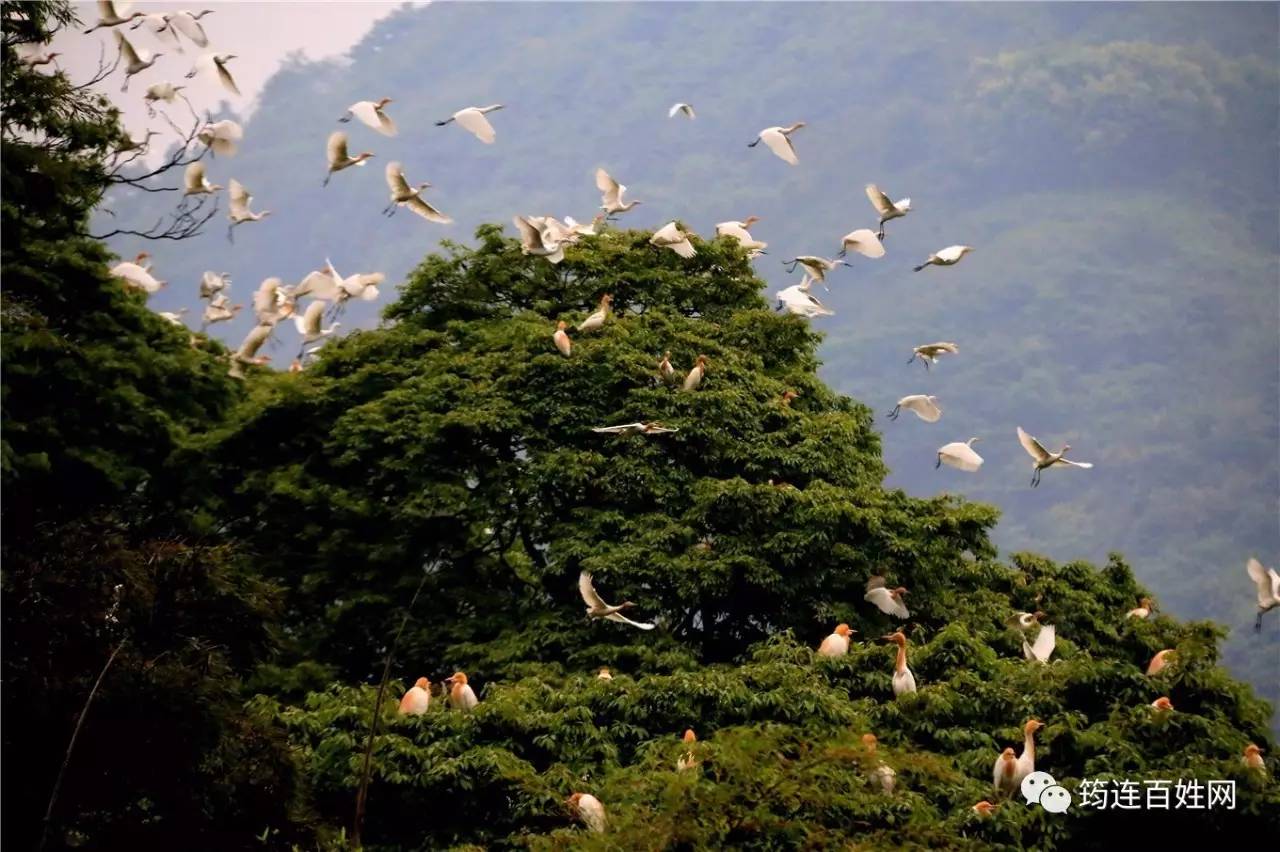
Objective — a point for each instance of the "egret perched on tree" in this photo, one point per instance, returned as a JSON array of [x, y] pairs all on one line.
[[597, 319], [1142, 610], [561, 338], [837, 644], [417, 698], [473, 120], [688, 760], [461, 695], [1027, 760], [904, 682], [372, 115], [1160, 662], [1253, 759], [883, 774], [694, 378], [1004, 772], [137, 274], [597, 608], [589, 810], [1042, 458], [779, 141]]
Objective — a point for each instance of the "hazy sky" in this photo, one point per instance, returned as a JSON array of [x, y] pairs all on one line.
[[260, 34]]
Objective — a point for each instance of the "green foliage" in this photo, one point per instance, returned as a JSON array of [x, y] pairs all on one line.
[[456, 440]]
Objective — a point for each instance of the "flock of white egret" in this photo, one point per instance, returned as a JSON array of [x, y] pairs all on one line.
[[548, 237]]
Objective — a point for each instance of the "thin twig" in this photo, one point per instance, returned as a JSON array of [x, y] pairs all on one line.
[[362, 794], [66, 760]]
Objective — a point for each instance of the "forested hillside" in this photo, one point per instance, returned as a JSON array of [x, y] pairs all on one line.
[[208, 580], [1114, 166]]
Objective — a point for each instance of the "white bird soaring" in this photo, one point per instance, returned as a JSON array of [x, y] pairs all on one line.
[[472, 119], [670, 236], [797, 300], [33, 54], [194, 181], [188, 24], [218, 310], [404, 195], [158, 23], [310, 325], [928, 352], [948, 256], [816, 267], [626, 429], [779, 141], [247, 354], [1268, 583], [213, 283], [533, 241], [272, 301], [135, 61], [338, 156], [864, 241], [221, 136], [611, 194], [330, 286], [681, 109], [888, 601], [738, 231], [240, 212], [137, 275], [166, 92], [1042, 458], [597, 608], [925, 407], [111, 14], [960, 455], [215, 64], [372, 115], [886, 208]]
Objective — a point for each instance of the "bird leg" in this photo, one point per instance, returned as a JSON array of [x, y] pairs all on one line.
[[754, 144], [893, 415], [345, 118], [1257, 623], [792, 267], [938, 463]]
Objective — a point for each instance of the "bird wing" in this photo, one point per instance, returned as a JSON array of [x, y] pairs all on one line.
[[228, 82], [876, 582], [950, 253], [1045, 641], [1260, 577], [1070, 463], [1033, 447], [367, 112], [654, 429], [107, 10], [426, 211], [127, 51], [961, 456], [474, 120], [619, 430], [1275, 583], [189, 27], [530, 236], [879, 200], [865, 242], [588, 591], [675, 108], [396, 181], [193, 177], [779, 144], [336, 149], [319, 284], [881, 598], [611, 189], [622, 619], [362, 283], [925, 408], [902, 205]]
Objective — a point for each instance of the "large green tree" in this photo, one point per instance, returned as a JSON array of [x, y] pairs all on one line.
[[453, 447]]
